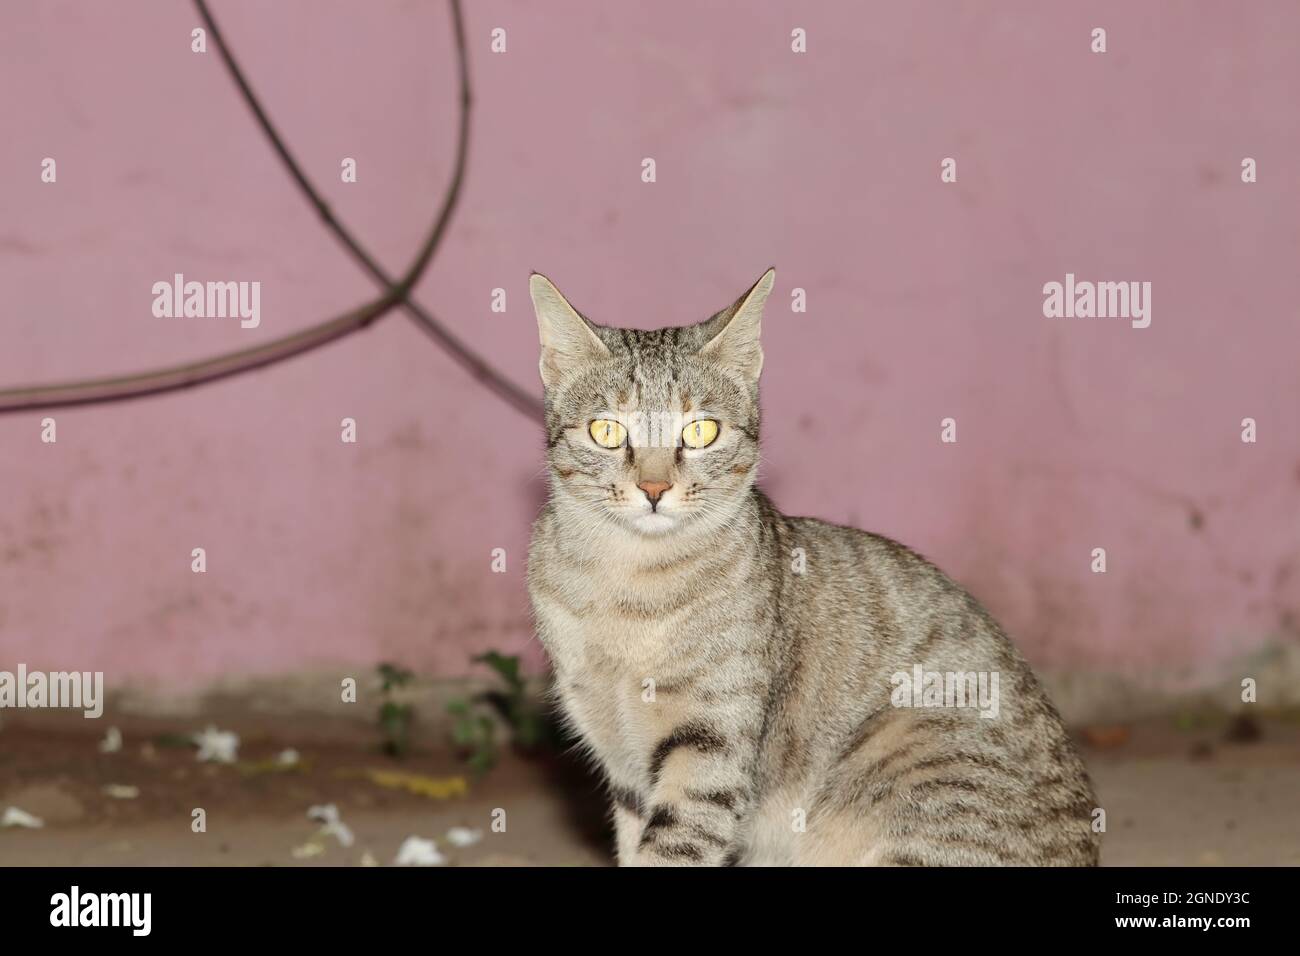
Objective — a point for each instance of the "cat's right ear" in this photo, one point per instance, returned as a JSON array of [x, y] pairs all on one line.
[[567, 338]]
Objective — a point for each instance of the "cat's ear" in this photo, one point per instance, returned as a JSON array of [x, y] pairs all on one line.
[[735, 331], [567, 338]]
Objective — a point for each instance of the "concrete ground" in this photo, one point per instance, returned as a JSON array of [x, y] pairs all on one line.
[[1211, 792]]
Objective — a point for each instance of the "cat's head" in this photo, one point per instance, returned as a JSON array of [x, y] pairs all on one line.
[[655, 431]]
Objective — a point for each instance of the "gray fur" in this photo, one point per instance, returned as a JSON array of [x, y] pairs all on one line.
[[772, 734]]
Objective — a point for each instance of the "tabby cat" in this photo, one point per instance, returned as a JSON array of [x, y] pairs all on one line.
[[760, 689]]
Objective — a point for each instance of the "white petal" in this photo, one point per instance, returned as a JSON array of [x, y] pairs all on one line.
[[323, 813], [340, 831], [221, 746], [14, 817], [416, 851], [463, 836]]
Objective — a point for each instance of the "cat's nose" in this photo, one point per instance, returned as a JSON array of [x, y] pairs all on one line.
[[653, 489]]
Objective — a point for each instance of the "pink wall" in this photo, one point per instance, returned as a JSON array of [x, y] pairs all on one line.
[[924, 301]]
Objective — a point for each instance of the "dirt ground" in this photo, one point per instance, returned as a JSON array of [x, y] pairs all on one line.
[[1209, 793]]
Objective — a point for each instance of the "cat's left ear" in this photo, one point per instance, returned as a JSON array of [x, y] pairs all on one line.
[[735, 343]]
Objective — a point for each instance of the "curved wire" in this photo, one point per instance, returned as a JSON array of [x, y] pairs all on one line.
[[469, 360], [191, 374]]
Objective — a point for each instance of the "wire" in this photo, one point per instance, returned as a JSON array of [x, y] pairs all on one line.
[[192, 374], [466, 357]]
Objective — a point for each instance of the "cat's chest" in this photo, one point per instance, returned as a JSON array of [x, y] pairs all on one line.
[[606, 669], [608, 638]]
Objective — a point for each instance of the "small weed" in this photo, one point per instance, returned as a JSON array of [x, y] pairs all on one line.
[[474, 729], [395, 717]]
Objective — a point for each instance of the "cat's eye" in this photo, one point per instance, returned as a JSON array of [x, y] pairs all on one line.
[[700, 434], [607, 433]]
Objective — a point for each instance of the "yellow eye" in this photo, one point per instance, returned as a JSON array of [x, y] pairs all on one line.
[[607, 433], [700, 434]]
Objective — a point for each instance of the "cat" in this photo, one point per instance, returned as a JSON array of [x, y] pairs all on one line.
[[737, 674]]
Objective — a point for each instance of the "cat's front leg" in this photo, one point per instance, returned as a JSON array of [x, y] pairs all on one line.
[[628, 822], [701, 790]]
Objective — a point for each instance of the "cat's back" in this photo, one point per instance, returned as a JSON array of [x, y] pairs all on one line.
[[870, 588], [896, 680], [862, 604]]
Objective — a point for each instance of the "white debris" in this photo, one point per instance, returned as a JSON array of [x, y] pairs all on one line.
[[368, 859], [121, 791], [323, 813], [340, 831], [221, 746], [328, 814], [287, 758], [112, 741], [308, 850], [417, 851], [460, 837], [14, 817]]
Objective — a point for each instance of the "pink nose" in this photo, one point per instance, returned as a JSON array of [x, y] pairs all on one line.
[[653, 489]]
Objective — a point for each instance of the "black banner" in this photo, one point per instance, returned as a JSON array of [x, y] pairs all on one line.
[[456, 905]]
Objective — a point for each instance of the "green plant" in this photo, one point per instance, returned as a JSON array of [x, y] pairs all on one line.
[[474, 735], [473, 727], [395, 717]]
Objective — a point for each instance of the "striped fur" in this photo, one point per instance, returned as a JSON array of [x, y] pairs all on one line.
[[731, 668]]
